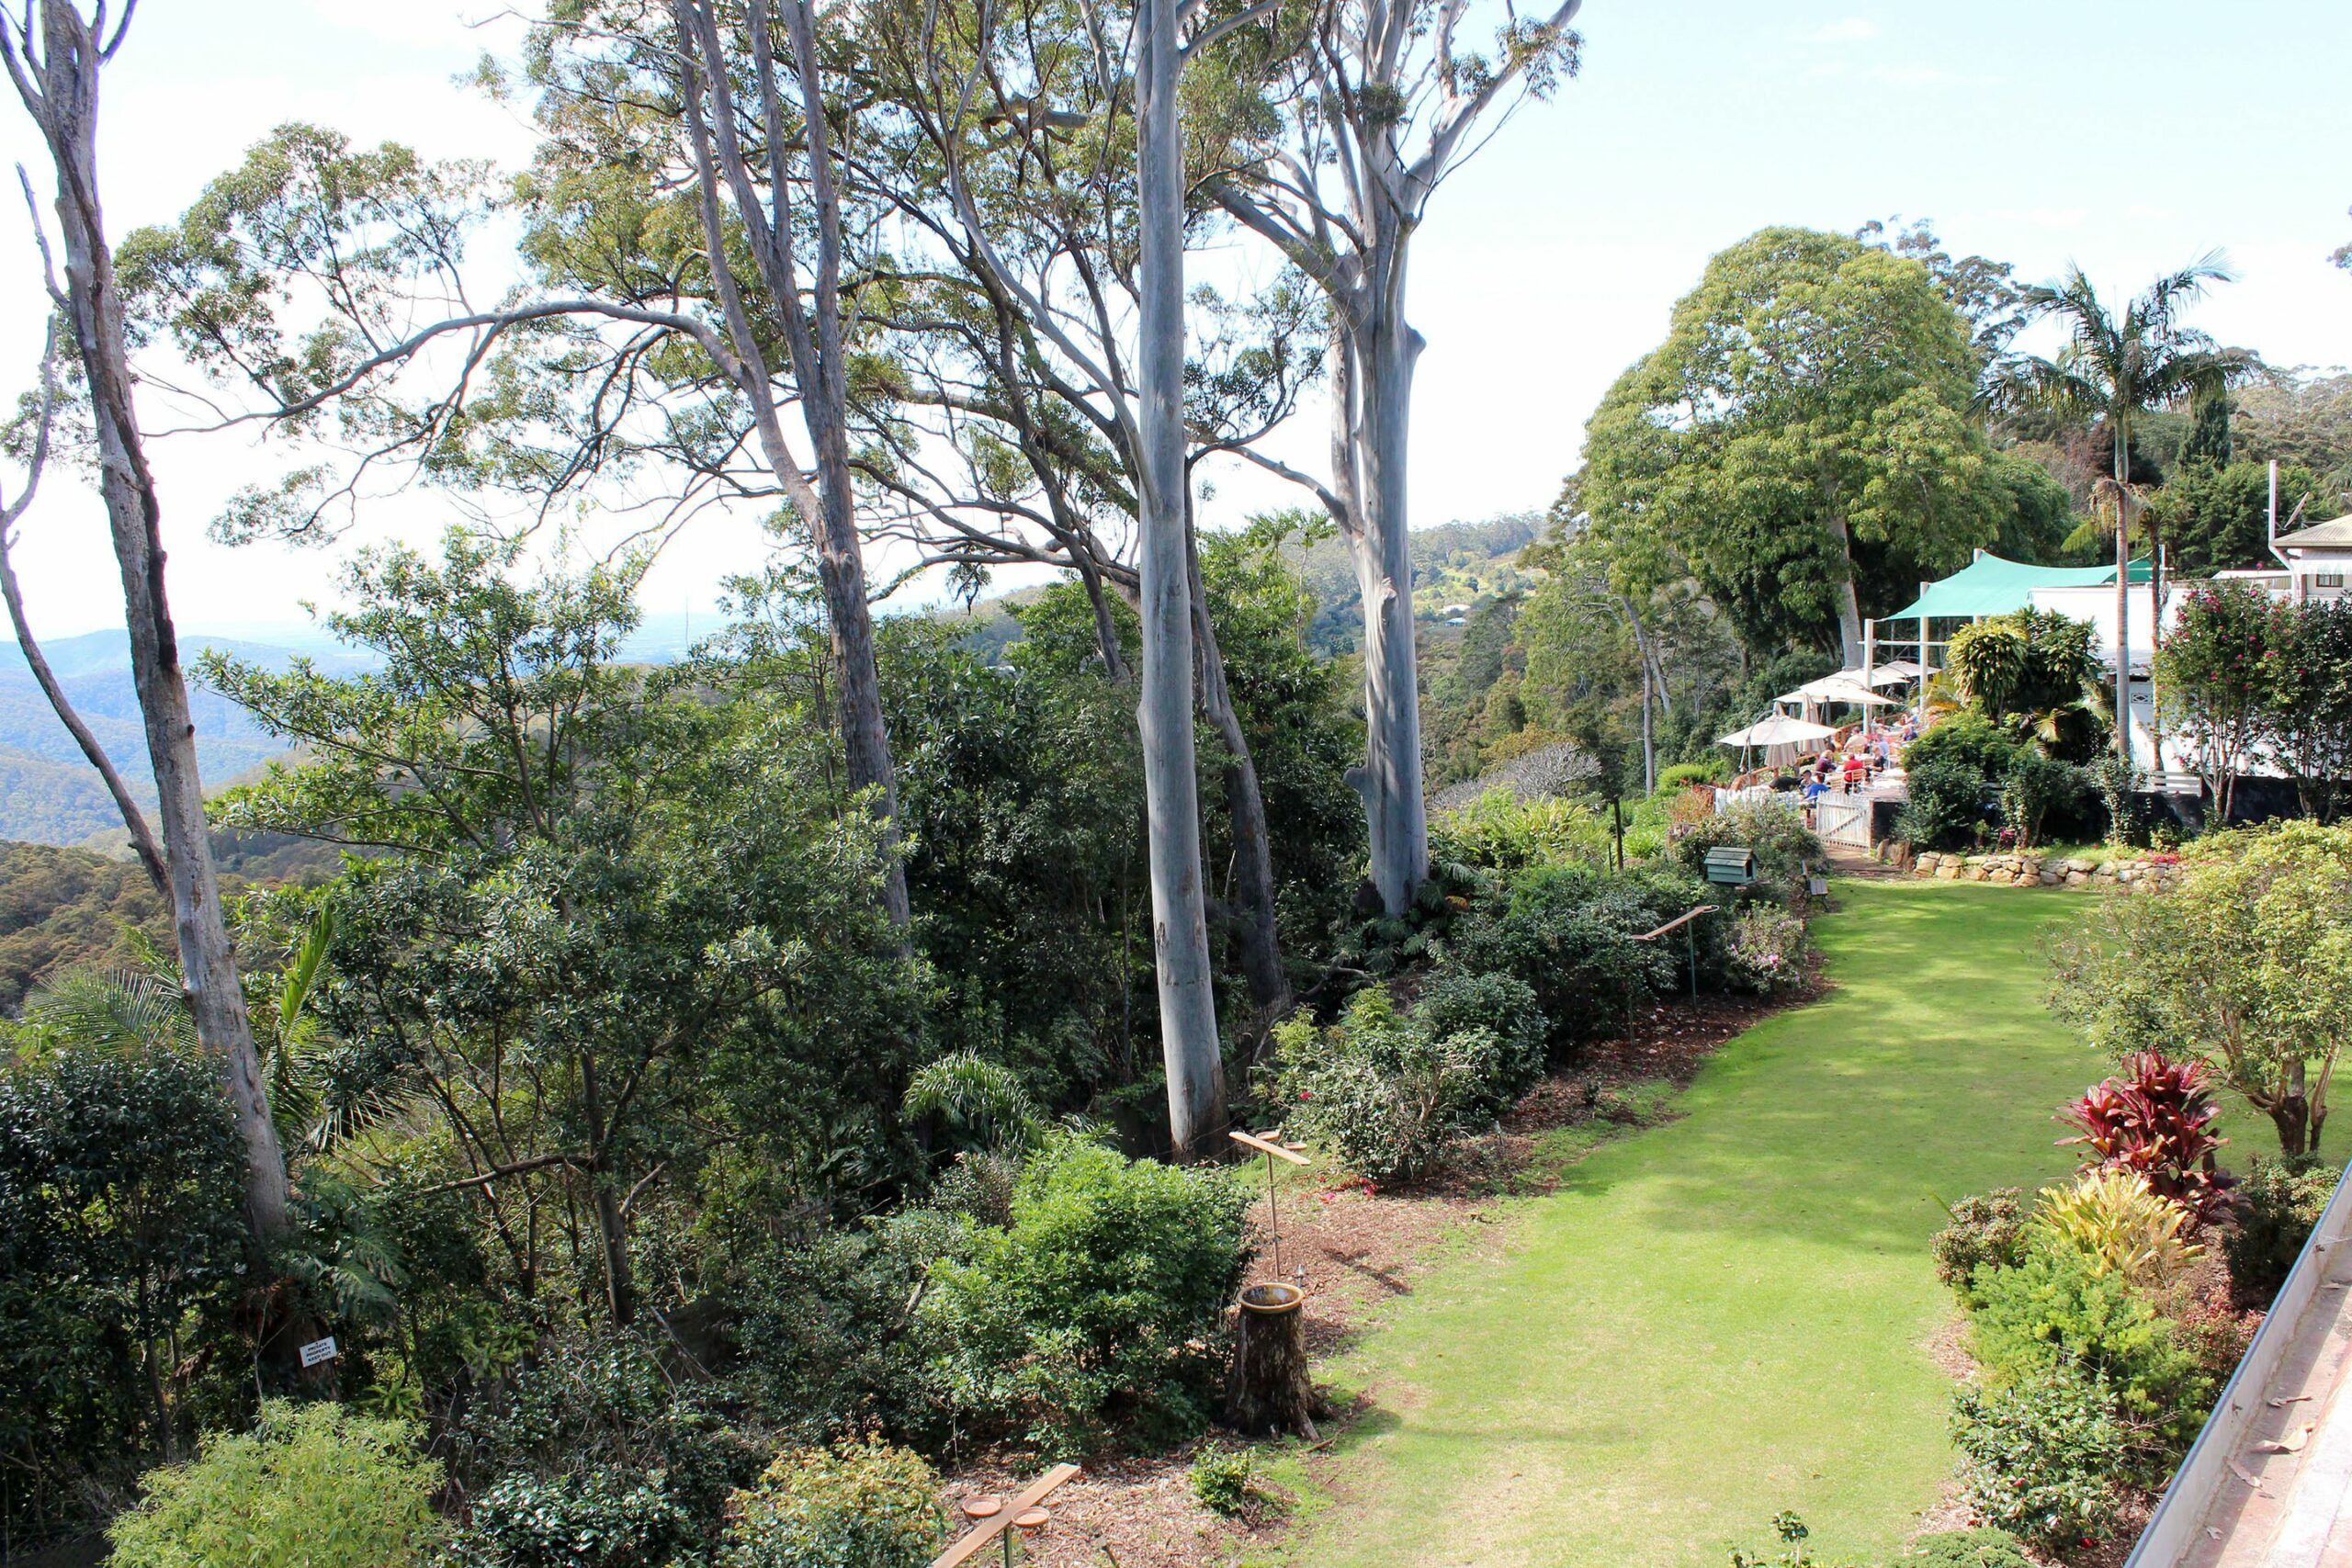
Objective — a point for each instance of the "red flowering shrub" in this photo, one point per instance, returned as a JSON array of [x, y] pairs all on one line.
[[2155, 1118]]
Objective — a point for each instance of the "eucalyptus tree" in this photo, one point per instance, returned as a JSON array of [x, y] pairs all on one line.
[[1383, 101], [55, 56], [1047, 146], [2114, 370], [1016, 190], [688, 297]]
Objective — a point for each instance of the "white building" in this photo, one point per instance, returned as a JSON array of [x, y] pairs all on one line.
[[2317, 560]]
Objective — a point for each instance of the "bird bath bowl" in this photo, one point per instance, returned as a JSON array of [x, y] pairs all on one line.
[[1272, 1299]]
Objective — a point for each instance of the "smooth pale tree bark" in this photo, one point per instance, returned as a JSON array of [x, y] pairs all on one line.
[[1384, 115], [1385, 352], [814, 344], [1850, 602], [1189, 1044], [59, 83]]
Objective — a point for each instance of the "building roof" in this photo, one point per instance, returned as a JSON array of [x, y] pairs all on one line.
[[2337, 532], [1990, 585]]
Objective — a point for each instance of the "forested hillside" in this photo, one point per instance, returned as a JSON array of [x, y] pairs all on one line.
[[63, 908], [1454, 564], [49, 793]]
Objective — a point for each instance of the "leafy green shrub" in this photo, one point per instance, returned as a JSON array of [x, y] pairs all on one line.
[[2116, 782], [2278, 1203], [1986, 1228], [978, 1188], [599, 1517], [1101, 1307], [122, 1229], [1460, 1001], [2042, 1458], [2035, 788], [2055, 1310], [1944, 804], [589, 1457], [1966, 739], [1384, 1092], [825, 1333], [1221, 1479], [1567, 932], [318, 1484], [1767, 951], [1982, 1548], [851, 1506], [1682, 775], [1503, 831], [1774, 829]]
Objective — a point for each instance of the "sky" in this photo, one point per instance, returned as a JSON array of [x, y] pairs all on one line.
[[2131, 138]]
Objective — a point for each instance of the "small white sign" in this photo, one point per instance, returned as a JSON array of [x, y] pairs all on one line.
[[318, 1351]]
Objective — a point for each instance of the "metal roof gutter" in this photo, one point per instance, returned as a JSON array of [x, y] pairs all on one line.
[[2172, 1529]]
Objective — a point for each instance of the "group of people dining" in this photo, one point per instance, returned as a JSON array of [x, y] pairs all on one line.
[[1854, 758]]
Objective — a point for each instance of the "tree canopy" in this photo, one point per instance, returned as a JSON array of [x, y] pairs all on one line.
[[1802, 443]]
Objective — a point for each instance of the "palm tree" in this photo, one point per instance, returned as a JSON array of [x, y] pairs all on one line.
[[2112, 370]]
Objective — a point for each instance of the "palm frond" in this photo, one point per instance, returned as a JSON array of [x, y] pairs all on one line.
[[302, 973], [2160, 305], [114, 1010], [975, 1093], [2027, 381]]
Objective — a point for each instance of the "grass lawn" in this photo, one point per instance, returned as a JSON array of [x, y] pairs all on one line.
[[1731, 1314]]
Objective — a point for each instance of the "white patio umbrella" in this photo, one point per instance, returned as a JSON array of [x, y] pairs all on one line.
[[1783, 739], [1843, 688], [1893, 672]]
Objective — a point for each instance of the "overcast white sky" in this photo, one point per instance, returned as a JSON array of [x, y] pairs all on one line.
[[2131, 137]]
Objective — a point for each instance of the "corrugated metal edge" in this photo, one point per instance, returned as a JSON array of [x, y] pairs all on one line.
[[2171, 1528]]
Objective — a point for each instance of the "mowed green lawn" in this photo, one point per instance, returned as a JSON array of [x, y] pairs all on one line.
[[1731, 1314]]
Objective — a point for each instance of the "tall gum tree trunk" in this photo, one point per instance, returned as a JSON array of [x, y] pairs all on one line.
[[814, 345], [866, 741], [841, 555], [1390, 780], [1188, 1032], [67, 110]]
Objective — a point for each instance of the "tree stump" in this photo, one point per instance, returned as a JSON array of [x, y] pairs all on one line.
[[1267, 1390]]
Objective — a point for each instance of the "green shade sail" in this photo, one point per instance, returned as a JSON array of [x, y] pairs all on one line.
[[1992, 586]]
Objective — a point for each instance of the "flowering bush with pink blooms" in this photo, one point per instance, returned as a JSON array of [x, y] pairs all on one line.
[[1767, 951]]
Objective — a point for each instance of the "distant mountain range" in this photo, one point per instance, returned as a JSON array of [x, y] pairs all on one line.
[[50, 793]]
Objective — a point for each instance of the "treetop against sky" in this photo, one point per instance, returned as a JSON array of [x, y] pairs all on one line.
[[1552, 263]]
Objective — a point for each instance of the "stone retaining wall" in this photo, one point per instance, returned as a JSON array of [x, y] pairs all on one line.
[[2030, 870]]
